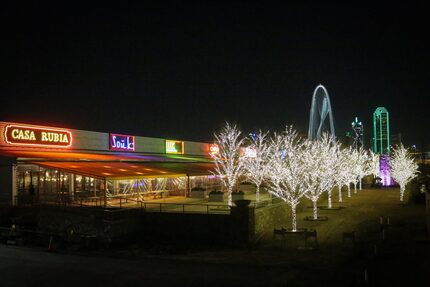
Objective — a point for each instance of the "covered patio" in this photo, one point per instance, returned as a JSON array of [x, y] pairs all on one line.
[[106, 179]]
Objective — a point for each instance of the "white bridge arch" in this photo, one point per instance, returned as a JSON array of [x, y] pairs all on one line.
[[320, 109]]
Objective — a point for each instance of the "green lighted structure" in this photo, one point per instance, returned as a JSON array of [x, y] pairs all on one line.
[[381, 131], [381, 144]]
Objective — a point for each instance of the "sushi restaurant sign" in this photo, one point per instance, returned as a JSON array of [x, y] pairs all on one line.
[[24, 135]]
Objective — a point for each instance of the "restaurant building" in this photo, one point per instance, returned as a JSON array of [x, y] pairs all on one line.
[[67, 166]]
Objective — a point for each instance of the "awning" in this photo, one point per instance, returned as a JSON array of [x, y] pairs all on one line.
[[116, 165], [127, 170], [101, 156]]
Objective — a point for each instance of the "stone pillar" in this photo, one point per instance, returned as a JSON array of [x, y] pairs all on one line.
[[8, 190], [242, 224], [72, 187], [188, 189], [428, 210]]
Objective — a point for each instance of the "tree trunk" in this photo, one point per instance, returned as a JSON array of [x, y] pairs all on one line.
[[360, 182], [230, 198], [355, 187], [315, 209], [294, 217], [349, 190], [257, 193], [339, 187], [402, 191], [329, 198]]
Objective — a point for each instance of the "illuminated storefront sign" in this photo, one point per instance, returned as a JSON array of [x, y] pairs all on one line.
[[37, 136], [175, 147], [249, 152], [213, 149], [121, 142]]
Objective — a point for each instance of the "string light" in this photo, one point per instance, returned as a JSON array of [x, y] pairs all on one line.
[[288, 170], [256, 166], [228, 162], [402, 168]]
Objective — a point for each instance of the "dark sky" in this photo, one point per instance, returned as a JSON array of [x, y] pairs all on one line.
[[180, 69]]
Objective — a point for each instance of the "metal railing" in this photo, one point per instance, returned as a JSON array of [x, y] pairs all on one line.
[[173, 207], [158, 207], [120, 204]]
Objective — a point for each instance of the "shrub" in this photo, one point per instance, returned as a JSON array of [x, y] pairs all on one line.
[[416, 196], [238, 192], [216, 192]]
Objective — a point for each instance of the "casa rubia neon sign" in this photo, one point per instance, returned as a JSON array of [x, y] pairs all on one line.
[[24, 135], [121, 142]]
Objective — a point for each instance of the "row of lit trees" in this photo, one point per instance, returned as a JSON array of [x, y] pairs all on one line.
[[294, 168]]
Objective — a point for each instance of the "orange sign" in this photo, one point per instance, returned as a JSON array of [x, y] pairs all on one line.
[[37, 136], [213, 149]]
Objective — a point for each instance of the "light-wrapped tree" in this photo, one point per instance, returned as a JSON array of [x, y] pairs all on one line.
[[402, 167], [332, 172], [255, 166], [363, 170], [359, 158], [341, 167], [372, 165], [228, 161], [288, 170], [321, 156], [350, 175]]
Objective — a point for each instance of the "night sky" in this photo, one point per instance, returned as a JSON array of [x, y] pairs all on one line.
[[180, 69]]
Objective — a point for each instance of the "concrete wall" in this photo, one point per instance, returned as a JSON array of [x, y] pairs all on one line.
[[200, 228], [270, 217], [133, 225], [428, 211], [239, 228]]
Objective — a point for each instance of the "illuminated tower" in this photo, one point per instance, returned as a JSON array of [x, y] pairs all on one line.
[[358, 135], [381, 131], [320, 109], [381, 143]]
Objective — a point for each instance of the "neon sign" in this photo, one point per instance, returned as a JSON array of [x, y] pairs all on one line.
[[213, 149], [37, 136], [121, 142], [174, 147]]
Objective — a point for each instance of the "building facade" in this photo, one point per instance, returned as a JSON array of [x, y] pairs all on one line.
[[51, 164], [381, 131], [381, 143]]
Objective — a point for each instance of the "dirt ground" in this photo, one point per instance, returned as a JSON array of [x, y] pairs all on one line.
[[396, 252]]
